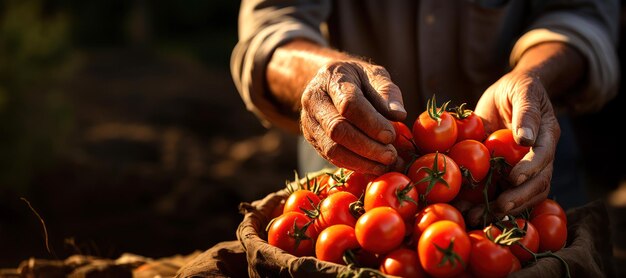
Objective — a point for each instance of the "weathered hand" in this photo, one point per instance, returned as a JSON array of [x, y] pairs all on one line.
[[518, 101], [345, 115]]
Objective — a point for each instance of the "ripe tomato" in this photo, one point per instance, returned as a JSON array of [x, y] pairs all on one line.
[[444, 249], [336, 209], [349, 181], [552, 232], [433, 213], [301, 200], [392, 190], [501, 144], [402, 262], [292, 233], [473, 159], [474, 194], [435, 129], [404, 142], [380, 230], [469, 125], [515, 265], [334, 241], [489, 259], [317, 184], [437, 177], [548, 206], [530, 240]]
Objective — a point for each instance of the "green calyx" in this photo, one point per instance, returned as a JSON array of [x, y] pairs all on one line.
[[402, 194], [299, 233], [434, 176], [434, 112], [460, 112], [449, 255]]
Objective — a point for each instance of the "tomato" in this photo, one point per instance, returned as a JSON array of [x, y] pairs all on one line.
[[437, 177], [380, 230], [392, 190], [444, 249], [530, 240], [473, 159], [433, 213], [334, 241], [301, 200], [435, 129], [292, 233], [404, 142], [474, 194], [515, 265], [501, 144], [336, 209], [548, 206], [489, 259], [349, 181], [469, 125], [317, 184], [552, 232], [402, 262]]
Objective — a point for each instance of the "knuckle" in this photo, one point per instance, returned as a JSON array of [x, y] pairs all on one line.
[[331, 151], [347, 101], [338, 129]]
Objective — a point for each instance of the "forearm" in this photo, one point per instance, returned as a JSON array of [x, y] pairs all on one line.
[[559, 67], [291, 68]]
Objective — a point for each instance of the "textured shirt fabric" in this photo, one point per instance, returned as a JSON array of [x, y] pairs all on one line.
[[454, 48]]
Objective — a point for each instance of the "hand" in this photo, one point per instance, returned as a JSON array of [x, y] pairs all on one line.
[[346, 109], [518, 101]]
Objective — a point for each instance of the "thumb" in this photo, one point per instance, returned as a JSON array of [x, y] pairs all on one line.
[[526, 114]]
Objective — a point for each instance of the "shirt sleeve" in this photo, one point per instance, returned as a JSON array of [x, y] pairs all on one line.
[[593, 32], [264, 26]]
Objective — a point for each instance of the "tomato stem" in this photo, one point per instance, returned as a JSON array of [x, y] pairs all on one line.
[[434, 175], [547, 254], [460, 112], [449, 255], [402, 194], [434, 112]]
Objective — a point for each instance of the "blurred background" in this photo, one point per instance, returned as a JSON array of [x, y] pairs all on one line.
[[120, 123]]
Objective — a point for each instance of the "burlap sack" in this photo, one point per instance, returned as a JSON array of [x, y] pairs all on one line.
[[588, 251]]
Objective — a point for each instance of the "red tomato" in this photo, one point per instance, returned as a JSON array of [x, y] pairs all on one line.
[[336, 209], [501, 144], [444, 249], [475, 195], [435, 129], [552, 232], [404, 142], [380, 230], [469, 125], [392, 190], [530, 240], [473, 159], [349, 181], [334, 241], [437, 177], [291, 233], [402, 262], [515, 265], [433, 213], [301, 200], [489, 259], [548, 206]]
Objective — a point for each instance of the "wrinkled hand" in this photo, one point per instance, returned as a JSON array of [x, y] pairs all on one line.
[[345, 115], [518, 101]]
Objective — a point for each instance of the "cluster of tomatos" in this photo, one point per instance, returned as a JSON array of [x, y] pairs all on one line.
[[401, 223]]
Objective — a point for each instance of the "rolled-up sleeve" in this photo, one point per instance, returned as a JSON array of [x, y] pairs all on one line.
[[593, 32], [264, 26]]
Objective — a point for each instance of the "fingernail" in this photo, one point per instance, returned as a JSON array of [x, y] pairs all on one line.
[[521, 179], [526, 133], [508, 207], [386, 136], [396, 106]]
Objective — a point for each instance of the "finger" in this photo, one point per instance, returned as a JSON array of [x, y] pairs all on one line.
[[383, 93], [462, 205], [518, 197], [540, 155], [336, 153], [352, 104], [526, 102], [475, 214], [340, 130]]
